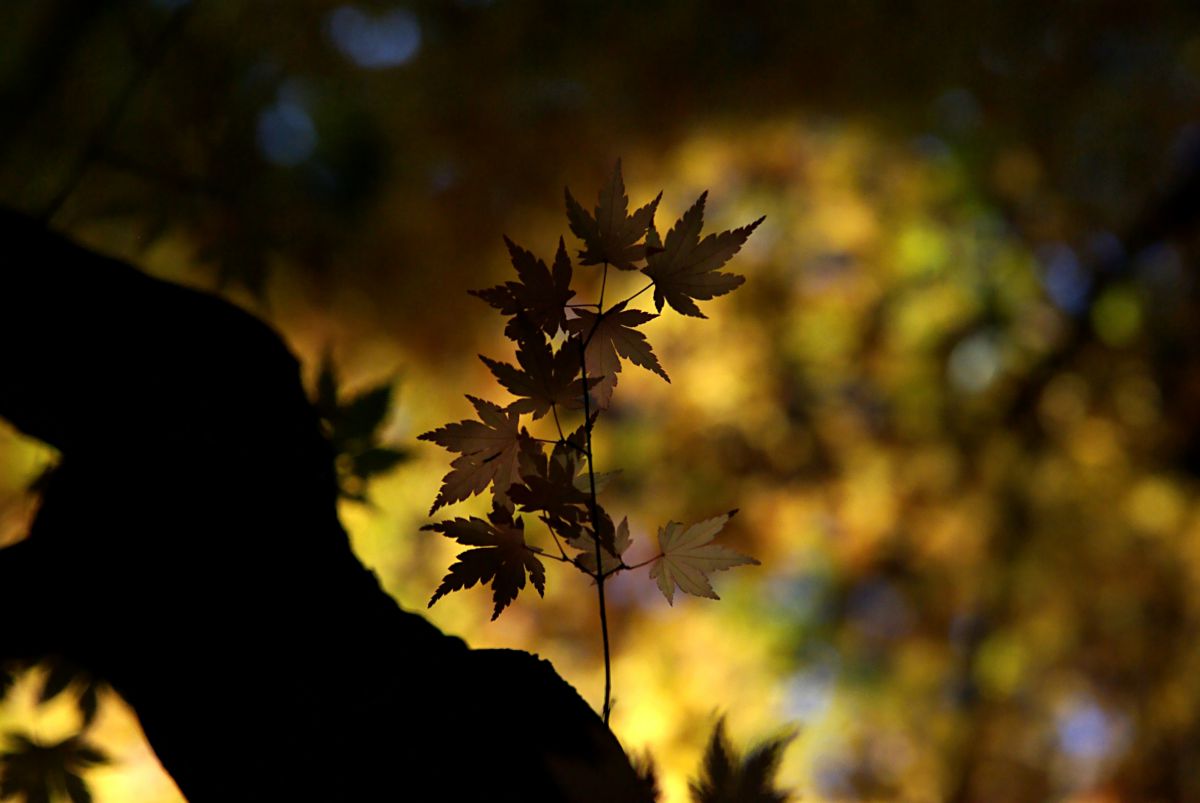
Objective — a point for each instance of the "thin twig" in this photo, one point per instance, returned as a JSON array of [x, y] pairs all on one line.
[[594, 510], [98, 141], [554, 409]]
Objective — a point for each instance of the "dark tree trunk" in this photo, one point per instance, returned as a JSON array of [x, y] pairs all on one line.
[[188, 551]]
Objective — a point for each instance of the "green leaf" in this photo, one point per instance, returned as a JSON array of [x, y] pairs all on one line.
[[501, 558], [609, 337], [687, 268], [612, 235], [688, 556]]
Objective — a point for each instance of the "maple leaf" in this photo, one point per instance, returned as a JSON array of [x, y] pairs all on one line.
[[612, 235], [610, 336], [610, 561], [490, 453], [549, 486], [544, 379], [539, 298], [501, 557], [688, 556], [686, 268]]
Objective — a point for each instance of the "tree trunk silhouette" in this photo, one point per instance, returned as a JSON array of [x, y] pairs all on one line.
[[188, 551]]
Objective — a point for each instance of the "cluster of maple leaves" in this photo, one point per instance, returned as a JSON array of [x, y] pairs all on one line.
[[568, 358]]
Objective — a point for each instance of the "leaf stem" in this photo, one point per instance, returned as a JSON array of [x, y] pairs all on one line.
[[594, 511], [638, 293], [554, 409], [603, 284], [640, 565]]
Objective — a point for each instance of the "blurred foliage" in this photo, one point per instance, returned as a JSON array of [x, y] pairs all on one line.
[[352, 427], [961, 423]]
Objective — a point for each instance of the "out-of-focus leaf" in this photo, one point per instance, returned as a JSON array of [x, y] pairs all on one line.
[[43, 773], [377, 460], [726, 777], [59, 675], [361, 416]]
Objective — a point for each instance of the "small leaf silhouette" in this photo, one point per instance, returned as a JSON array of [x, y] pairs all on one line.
[[539, 297], [728, 778], [686, 268], [42, 773], [544, 379], [501, 558], [586, 544], [490, 453], [688, 556], [609, 337], [352, 428], [612, 235]]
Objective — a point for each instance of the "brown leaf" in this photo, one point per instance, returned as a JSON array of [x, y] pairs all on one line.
[[610, 336], [501, 558], [586, 544], [490, 451], [540, 296], [687, 267], [612, 235], [544, 378]]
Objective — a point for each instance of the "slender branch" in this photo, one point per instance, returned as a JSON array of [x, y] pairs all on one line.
[[98, 141], [550, 555], [554, 535], [554, 409], [594, 510]]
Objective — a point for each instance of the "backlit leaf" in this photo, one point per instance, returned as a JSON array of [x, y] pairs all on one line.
[[490, 451], [609, 337], [688, 556], [544, 378], [612, 235], [539, 297], [501, 558], [686, 267], [586, 544]]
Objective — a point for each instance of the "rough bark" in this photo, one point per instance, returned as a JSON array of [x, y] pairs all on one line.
[[188, 551]]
